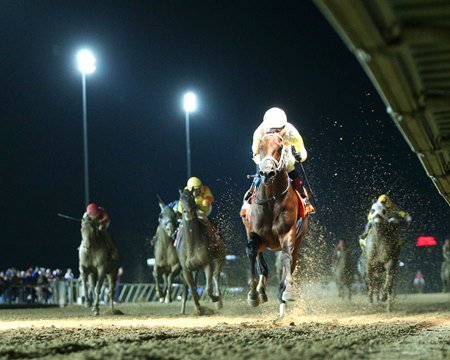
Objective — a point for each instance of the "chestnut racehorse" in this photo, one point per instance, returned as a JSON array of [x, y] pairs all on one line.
[[274, 222]]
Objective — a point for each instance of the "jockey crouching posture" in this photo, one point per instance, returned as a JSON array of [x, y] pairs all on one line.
[[384, 208], [98, 215], [275, 121], [101, 219], [203, 199]]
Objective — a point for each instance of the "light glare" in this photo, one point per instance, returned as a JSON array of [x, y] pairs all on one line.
[[86, 62], [190, 102]]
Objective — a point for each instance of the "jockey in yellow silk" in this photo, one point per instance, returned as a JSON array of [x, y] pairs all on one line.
[[275, 120], [203, 197], [384, 208]]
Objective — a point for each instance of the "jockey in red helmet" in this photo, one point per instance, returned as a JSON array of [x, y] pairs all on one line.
[[97, 214]]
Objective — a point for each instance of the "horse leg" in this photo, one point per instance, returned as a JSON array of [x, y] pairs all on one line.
[[84, 281], [208, 287], [370, 278], [263, 275], [98, 288], [218, 263], [281, 288], [91, 290], [391, 271], [287, 260], [112, 286], [252, 251], [93, 278], [185, 296], [157, 276], [193, 286]]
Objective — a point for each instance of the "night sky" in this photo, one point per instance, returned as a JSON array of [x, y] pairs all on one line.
[[240, 58]]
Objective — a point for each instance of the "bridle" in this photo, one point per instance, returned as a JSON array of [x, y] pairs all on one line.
[[93, 233], [189, 212], [279, 166]]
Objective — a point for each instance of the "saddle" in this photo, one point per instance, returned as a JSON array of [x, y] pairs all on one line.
[[303, 208]]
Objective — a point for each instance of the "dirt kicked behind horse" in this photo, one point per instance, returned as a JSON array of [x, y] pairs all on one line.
[[343, 273], [98, 258], [272, 224], [167, 266], [199, 249], [382, 253]]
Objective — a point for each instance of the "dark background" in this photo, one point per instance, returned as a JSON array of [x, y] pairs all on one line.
[[240, 58]]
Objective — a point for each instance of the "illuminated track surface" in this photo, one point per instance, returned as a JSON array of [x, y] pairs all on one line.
[[316, 327]]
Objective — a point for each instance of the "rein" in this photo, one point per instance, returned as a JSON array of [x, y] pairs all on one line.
[[273, 198]]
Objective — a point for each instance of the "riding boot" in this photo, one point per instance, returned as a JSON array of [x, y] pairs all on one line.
[[248, 195]]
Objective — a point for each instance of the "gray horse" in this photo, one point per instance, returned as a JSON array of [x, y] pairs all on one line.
[[445, 276], [382, 253], [167, 265], [199, 248], [343, 272], [97, 258]]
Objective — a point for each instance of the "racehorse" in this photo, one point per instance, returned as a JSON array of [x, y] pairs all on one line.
[[199, 248], [97, 258], [382, 255], [445, 276], [167, 265], [274, 223], [343, 272]]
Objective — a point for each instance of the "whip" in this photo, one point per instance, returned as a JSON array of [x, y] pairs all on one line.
[[309, 186], [69, 217]]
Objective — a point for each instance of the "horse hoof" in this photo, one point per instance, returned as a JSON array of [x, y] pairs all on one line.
[[218, 304], [263, 298], [200, 311], [167, 301], [161, 300], [253, 302], [288, 296]]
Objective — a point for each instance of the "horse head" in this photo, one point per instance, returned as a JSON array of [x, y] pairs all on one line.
[[273, 156], [187, 201], [167, 219], [89, 232]]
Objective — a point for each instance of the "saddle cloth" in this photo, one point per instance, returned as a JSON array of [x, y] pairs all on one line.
[[303, 209]]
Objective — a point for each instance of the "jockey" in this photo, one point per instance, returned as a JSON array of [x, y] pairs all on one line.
[[203, 198], [275, 120], [446, 250], [98, 215], [339, 247], [384, 208]]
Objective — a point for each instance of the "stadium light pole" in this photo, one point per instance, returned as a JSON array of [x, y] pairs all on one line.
[[86, 65], [190, 104]]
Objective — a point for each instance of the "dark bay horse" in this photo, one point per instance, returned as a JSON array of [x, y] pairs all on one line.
[[274, 223], [382, 253], [199, 249], [167, 265], [343, 272], [98, 258]]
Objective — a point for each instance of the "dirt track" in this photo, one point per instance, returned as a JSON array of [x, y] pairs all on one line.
[[316, 327]]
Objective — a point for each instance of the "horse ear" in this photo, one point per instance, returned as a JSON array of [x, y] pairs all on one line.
[[180, 192], [282, 132], [161, 203]]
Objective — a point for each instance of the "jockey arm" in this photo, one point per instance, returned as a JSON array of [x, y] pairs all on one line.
[[294, 138], [205, 200], [257, 136], [103, 219]]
